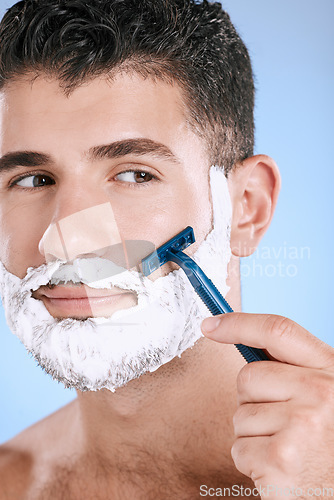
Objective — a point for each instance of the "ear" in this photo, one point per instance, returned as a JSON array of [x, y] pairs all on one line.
[[254, 187]]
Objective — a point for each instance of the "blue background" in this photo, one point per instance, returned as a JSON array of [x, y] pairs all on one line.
[[291, 46]]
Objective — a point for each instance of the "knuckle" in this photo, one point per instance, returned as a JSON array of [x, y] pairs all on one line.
[[283, 453], [238, 451], [243, 458], [243, 413], [279, 326], [245, 377], [306, 418], [324, 387], [238, 418]]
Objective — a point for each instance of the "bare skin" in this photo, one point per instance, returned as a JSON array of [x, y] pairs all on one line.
[[165, 434]]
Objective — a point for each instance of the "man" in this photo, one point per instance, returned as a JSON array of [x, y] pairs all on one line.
[[112, 115]]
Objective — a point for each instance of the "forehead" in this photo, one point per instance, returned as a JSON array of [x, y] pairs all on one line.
[[39, 112]]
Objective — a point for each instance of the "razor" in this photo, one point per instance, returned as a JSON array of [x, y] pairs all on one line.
[[205, 289]]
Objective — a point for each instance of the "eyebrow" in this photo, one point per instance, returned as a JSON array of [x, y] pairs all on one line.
[[118, 149], [24, 159], [137, 147]]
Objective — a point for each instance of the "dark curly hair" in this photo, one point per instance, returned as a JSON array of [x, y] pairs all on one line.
[[185, 41]]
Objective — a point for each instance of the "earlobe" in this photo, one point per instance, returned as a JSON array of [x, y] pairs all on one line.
[[254, 186]]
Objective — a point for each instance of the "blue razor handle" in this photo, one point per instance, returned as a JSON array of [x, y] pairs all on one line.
[[212, 298]]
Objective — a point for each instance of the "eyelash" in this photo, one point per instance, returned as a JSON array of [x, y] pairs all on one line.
[[131, 185]]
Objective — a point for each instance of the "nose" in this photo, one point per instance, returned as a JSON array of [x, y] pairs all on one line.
[[83, 233]]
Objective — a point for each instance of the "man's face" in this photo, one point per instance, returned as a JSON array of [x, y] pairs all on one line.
[[81, 176], [148, 121]]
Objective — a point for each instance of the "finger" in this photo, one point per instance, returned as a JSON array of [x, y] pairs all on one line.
[[271, 381], [284, 339], [250, 455], [260, 419], [263, 457]]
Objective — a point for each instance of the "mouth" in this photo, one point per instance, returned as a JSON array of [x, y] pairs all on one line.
[[81, 301]]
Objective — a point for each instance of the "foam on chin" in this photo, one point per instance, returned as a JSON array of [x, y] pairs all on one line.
[[98, 352]]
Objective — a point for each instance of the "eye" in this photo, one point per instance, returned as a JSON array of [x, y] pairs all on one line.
[[135, 176], [34, 181]]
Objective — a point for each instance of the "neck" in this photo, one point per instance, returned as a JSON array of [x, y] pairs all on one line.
[[169, 419]]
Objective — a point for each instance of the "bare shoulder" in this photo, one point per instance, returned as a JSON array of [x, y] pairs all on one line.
[[27, 455], [15, 471]]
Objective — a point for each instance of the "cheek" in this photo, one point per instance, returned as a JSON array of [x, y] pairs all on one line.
[[194, 206], [152, 218], [20, 233], [160, 217]]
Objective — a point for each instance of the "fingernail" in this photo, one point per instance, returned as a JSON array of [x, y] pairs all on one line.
[[210, 324]]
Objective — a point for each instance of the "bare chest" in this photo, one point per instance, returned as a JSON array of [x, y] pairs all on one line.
[[71, 486]]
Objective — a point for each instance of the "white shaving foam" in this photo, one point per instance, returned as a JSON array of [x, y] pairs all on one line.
[[98, 353]]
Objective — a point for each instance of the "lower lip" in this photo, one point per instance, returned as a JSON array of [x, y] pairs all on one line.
[[84, 305]]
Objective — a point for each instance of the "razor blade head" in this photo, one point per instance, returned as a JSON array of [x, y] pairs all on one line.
[[160, 256]]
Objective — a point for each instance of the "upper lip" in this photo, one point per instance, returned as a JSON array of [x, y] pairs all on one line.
[[76, 292]]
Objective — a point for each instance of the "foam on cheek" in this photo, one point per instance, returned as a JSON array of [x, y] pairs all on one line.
[[109, 352]]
